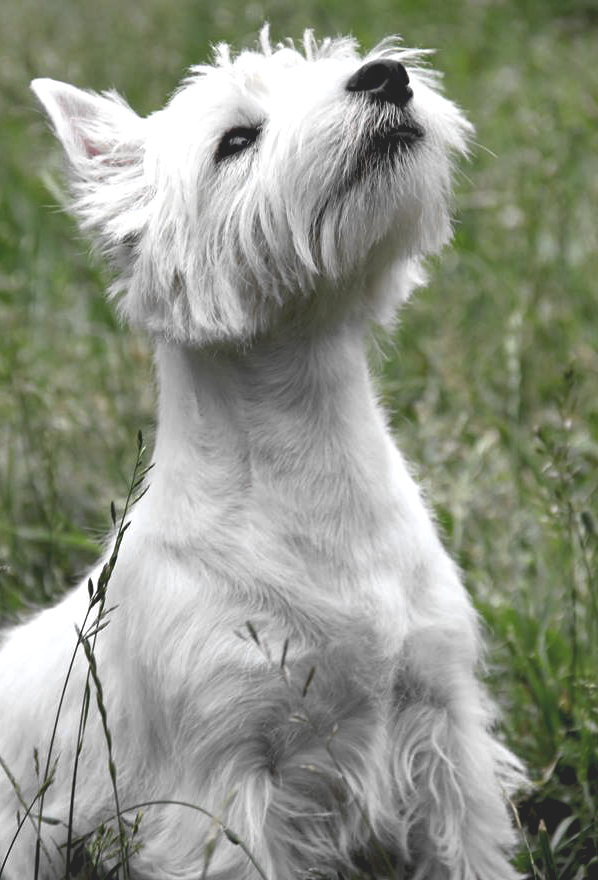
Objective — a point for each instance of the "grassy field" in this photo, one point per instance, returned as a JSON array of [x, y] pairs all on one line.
[[492, 385]]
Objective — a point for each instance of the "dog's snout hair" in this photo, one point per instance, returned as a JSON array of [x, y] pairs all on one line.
[[290, 650]]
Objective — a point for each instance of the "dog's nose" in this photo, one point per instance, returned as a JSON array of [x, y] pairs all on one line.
[[385, 80]]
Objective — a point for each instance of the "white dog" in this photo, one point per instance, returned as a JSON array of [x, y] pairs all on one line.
[[278, 204]]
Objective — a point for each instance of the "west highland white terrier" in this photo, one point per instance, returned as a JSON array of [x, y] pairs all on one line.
[[290, 648]]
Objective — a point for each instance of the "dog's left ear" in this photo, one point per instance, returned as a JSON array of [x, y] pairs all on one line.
[[104, 142], [89, 126]]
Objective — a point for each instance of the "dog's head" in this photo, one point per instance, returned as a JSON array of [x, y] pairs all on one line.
[[271, 185]]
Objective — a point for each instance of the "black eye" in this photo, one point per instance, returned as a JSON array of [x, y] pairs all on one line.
[[236, 140]]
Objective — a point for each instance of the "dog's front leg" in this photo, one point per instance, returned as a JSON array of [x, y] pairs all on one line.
[[451, 778]]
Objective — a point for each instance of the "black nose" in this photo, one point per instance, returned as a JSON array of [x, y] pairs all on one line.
[[385, 80]]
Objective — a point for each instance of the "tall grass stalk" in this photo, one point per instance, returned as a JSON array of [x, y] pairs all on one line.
[[98, 597], [86, 637]]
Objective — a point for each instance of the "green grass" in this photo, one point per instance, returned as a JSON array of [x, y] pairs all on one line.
[[492, 387]]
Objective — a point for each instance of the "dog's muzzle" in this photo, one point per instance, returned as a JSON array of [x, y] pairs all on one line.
[[387, 82]]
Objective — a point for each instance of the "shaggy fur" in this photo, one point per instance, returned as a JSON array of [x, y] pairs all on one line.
[[256, 225]]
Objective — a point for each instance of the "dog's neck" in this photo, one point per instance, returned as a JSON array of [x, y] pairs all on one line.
[[281, 448]]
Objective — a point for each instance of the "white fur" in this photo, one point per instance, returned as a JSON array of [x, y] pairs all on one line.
[[277, 497]]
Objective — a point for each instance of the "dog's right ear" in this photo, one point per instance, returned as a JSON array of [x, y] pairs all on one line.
[[104, 142]]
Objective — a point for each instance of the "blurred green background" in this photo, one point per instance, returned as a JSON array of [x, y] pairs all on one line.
[[492, 388]]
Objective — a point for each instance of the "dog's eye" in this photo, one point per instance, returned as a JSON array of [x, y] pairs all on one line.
[[236, 140]]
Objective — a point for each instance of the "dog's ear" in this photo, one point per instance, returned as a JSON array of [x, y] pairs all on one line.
[[104, 142], [89, 126]]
